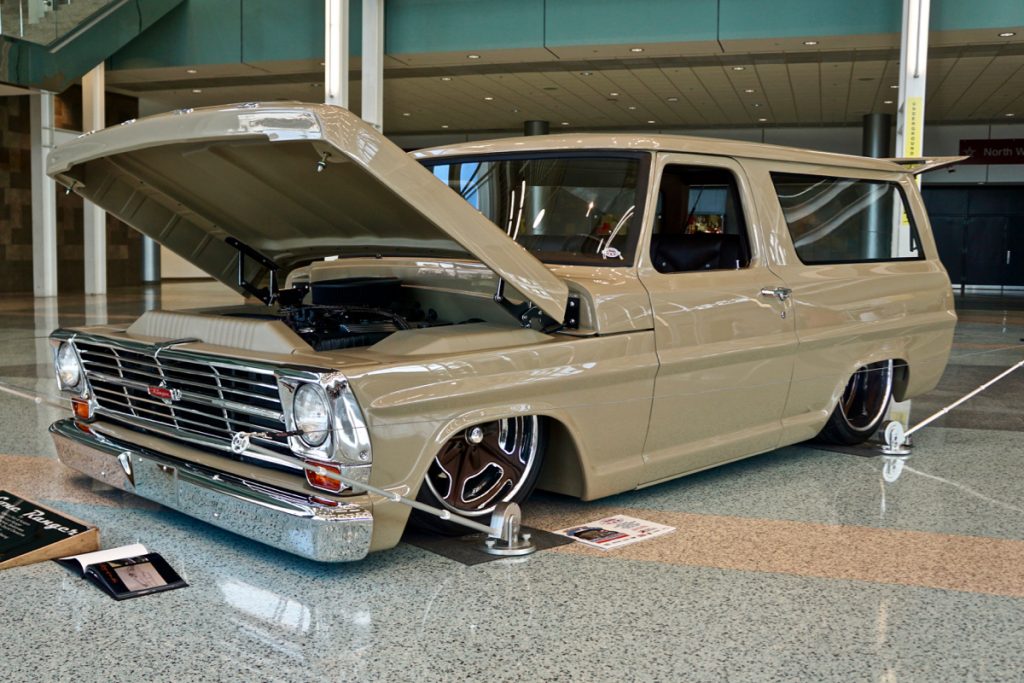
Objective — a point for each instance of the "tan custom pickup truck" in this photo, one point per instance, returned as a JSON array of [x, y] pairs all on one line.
[[584, 313]]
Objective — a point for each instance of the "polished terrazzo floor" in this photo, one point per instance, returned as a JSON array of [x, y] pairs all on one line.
[[800, 564]]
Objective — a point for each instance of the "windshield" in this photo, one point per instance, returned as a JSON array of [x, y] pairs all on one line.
[[562, 209]]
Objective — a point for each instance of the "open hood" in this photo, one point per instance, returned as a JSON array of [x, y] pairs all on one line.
[[294, 182]]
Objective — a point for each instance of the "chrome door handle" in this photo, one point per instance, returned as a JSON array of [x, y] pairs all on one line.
[[780, 293]]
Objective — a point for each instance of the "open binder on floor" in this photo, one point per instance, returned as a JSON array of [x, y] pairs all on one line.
[[125, 572]]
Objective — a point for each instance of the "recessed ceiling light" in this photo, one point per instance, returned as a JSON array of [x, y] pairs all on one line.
[[756, 105], [672, 99], [636, 49], [323, 63], [1007, 34], [565, 123], [894, 87], [613, 94], [762, 120], [650, 120], [810, 43], [586, 73], [1009, 115], [886, 101], [197, 90], [446, 78], [749, 91], [472, 56], [444, 125], [193, 71], [515, 110], [405, 113], [631, 107], [488, 98], [739, 68]]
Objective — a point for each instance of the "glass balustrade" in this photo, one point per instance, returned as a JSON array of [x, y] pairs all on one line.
[[47, 21]]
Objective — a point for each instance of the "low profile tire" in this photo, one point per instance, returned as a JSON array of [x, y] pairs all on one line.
[[862, 407], [479, 467]]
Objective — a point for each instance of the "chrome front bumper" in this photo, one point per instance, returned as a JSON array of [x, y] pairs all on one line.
[[283, 519]]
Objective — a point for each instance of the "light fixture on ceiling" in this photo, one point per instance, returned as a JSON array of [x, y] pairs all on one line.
[[672, 99], [739, 68], [444, 125], [1009, 115], [650, 120], [515, 110], [756, 105], [405, 113], [762, 120], [488, 98], [565, 123], [586, 73], [1007, 34], [886, 101], [323, 63], [197, 90], [446, 78], [613, 94], [636, 49], [474, 56], [810, 43], [191, 71], [749, 91], [631, 107], [894, 87]]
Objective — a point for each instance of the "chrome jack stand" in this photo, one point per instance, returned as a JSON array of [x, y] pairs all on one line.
[[896, 441], [505, 538]]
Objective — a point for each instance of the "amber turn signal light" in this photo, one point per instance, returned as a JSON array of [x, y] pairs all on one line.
[[82, 408], [323, 476]]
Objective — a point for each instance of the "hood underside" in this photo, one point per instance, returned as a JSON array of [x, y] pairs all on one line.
[[292, 182]]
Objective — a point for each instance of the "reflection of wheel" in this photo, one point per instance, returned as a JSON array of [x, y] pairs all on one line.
[[495, 462], [862, 406]]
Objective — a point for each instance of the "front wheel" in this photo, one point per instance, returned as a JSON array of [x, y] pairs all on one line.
[[862, 407], [481, 466]]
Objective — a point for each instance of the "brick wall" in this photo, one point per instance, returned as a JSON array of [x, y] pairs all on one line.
[[124, 245]]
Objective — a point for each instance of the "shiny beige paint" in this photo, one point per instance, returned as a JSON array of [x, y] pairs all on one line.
[[668, 373]]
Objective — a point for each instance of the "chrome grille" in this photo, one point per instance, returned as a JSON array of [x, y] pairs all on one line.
[[217, 398]]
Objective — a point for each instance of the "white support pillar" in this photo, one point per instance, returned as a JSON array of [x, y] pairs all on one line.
[[44, 197], [336, 52], [910, 125], [373, 63], [95, 252]]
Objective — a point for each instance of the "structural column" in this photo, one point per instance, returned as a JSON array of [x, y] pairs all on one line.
[[535, 127], [44, 197], [336, 52], [373, 63], [95, 253], [875, 143]]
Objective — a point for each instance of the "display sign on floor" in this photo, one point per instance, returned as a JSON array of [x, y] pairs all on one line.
[[616, 531], [126, 572], [30, 532]]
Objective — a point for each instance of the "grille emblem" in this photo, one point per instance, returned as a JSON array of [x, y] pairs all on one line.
[[164, 393]]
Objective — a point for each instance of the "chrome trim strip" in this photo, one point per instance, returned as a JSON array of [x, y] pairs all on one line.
[[283, 519]]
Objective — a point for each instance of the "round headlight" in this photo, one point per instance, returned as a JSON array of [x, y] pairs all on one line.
[[312, 414], [69, 369]]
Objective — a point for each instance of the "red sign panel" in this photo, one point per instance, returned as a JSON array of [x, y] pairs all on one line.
[[993, 151]]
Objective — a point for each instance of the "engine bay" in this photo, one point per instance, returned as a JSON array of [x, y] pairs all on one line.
[[352, 312]]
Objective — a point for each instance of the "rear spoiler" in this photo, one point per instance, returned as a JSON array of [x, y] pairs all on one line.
[[919, 165]]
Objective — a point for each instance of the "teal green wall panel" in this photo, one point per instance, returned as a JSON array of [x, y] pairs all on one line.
[[413, 26], [615, 22], [196, 32], [950, 15], [273, 30], [749, 19]]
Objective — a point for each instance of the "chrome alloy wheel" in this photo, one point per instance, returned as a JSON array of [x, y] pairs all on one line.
[[486, 464], [866, 396]]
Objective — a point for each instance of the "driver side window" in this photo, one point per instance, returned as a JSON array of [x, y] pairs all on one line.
[[699, 223]]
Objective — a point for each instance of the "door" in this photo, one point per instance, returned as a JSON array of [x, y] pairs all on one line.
[[723, 329], [986, 253]]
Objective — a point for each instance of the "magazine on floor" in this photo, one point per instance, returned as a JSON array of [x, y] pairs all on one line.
[[615, 531]]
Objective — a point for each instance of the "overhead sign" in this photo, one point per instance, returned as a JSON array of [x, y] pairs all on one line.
[[1006, 151]]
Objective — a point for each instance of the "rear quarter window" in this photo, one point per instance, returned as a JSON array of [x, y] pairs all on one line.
[[846, 220]]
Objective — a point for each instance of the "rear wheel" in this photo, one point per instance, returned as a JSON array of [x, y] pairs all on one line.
[[481, 466], [862, 407]]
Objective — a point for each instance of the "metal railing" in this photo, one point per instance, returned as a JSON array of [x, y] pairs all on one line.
[[47, 21]]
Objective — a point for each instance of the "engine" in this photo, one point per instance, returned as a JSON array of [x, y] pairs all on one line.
[[351, 312]]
